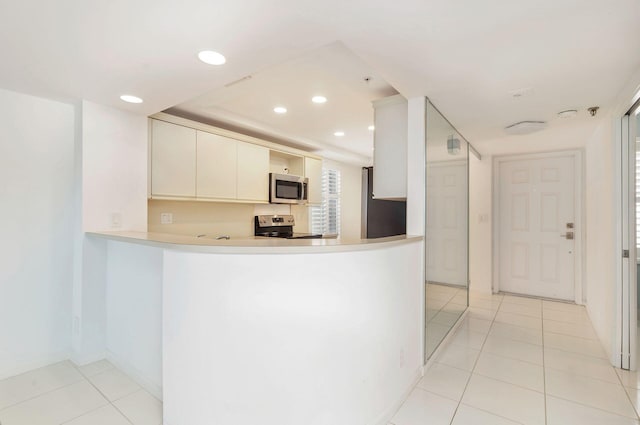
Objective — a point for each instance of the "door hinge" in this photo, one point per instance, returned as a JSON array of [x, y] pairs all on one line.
[[625, 253]]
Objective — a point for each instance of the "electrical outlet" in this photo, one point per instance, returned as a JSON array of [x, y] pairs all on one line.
[[116, 220], [166, 218]]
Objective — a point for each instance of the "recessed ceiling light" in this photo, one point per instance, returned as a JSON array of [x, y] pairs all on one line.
[[211, 57], [280, 110], [569, 113], [131, 99], [318, 99], [339, 133], [371, 128]]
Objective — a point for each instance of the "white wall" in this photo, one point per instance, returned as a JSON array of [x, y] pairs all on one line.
[[134, 312], [602, 220], [351, 201], [559, 136], [114, 175], [480, 193], [238, 336], [37, 192], [113, 180], [601, 232]]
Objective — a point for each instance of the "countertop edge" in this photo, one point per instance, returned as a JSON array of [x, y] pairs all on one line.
[[253, 246]]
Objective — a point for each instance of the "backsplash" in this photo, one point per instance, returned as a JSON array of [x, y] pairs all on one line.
[[217, 218]]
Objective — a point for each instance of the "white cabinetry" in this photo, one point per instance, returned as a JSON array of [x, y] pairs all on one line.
[[390, 148], [194, 161], [313, 171], [217, 161], [253, 172], [173, 160]]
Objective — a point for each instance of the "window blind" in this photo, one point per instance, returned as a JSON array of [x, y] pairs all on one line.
[[325, 218]]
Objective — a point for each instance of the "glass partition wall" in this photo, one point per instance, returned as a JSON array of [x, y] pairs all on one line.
[[447, 223]]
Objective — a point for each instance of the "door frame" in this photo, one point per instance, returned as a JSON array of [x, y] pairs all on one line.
[[579, 204], [625, 350]]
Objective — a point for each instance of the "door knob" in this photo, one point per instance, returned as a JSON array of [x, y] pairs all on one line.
[[568, 235]]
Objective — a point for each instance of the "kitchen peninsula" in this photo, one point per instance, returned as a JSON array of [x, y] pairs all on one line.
[[269, 331]]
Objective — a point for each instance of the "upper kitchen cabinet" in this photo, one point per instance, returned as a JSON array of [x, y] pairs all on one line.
[[217, 166], [196, 161], [313, 171], [252, 172], [390, 148], [173, 160]]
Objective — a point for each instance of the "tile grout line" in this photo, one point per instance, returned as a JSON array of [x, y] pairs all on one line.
[[624, 388], [455, 412], [46, 392], [109, 402], [591, 406]]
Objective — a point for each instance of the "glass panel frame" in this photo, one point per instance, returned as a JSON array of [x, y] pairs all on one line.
[[446, 228]]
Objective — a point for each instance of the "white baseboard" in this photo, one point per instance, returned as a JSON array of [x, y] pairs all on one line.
[[36, 363], [133, 373], [445, 342], [85, 359], [391, 411]]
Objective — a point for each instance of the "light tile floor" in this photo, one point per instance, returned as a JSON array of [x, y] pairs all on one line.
[[444, 305], [513, 360], [517, 360], [96, 394]]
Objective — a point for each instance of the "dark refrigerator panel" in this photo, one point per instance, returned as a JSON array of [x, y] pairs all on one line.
[[380, 217]]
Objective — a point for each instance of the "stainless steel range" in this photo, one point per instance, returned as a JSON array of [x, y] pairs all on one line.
[[279, 226]]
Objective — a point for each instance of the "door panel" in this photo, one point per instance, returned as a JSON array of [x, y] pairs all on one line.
[[537, 201], [447, 223]]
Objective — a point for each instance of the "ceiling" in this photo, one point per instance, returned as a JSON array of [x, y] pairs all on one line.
[[466, 56], [332, 71]]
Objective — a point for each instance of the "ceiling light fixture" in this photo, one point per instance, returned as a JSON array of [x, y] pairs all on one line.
[[130, 99], [339, 133], [371, 128], [212, 58], [526, 127], [280, 110], [569, 113], [318, 99]]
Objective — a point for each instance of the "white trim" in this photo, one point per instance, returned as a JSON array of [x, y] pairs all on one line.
[[132, 372], [579, 206], [386, 417], [35, 363], [618, 244], [446, 341], [626, 268]]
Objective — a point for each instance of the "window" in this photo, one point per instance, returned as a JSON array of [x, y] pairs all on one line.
[[325, 218]]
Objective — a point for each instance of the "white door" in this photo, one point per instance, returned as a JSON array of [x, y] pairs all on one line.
[[446, 236], [536, 221]]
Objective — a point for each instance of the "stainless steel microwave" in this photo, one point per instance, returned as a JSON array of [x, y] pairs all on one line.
[[287, 189]]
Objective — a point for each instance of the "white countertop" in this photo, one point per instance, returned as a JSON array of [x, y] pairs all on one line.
[[252, 245]]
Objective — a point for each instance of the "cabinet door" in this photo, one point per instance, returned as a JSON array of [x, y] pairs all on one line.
[[173, 160], [217, 166], [390, 143], [313, 171], [253, 172]]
